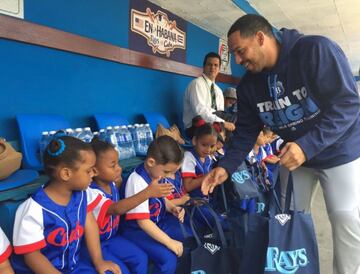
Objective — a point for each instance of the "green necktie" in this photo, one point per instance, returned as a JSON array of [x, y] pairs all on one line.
[[213, 96]]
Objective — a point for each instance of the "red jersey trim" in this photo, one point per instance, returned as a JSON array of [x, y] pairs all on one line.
[[103, 212], [6, 254], [94, 203], [188, 174], [22, 249], [269, 157], [137, 216]]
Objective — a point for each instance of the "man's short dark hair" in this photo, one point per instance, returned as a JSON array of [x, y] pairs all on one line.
[[250, 24], [211, 55]]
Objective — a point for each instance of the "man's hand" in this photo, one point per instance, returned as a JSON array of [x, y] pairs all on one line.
[[292, 156], [212, 179], [229, 126], [156, 190]]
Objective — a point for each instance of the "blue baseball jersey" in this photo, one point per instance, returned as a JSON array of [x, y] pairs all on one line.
[[55, 230], [108, 224], [270, 154], [254, 157], [178, 191], [5, 247], [268, 150], [153, 208], [193, 167], [276, 144], [217, 156]]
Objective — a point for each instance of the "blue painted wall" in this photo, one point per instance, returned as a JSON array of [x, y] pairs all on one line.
[[40, 80]]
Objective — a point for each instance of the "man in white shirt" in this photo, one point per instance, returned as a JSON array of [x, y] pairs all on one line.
[[203, 97]]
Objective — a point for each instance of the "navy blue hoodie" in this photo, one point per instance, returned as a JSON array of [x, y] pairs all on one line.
[[309, 97]]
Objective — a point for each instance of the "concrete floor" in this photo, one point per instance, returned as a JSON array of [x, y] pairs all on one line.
[[323, 233]]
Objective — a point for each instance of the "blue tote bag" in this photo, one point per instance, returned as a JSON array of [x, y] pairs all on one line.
[[283, 242], [244, 187], [211, 253]]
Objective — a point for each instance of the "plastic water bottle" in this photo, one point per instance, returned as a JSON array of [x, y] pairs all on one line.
[[129, 142], [133, 131], [43, 142], [102, 134], [51, 134], [110, 137], [139, 139], [121, 142], [149, 134], [78, 132], [86, 135], [69, 132], [142, 139]]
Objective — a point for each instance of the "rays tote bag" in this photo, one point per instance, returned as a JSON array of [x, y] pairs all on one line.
[[212, 254], [243, 184], [283, 242]]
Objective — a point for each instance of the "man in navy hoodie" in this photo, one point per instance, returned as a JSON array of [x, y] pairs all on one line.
[[302, 87]]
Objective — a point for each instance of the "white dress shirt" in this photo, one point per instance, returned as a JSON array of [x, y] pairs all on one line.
[[197, 101]]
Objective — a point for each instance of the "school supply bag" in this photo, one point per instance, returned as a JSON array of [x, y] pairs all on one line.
[[212, 254], [282, 242], [244, 187], [10, 159]]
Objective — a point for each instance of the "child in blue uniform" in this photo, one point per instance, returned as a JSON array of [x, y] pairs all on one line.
[[219, 150], [50, 226], [107, 177], [147, 225], [5, 252], [178, 195], [198, 162], [271, 159], [261, 175]]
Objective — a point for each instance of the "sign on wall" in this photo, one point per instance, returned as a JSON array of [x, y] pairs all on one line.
[[225, 57], [156, 31], [12, 7]]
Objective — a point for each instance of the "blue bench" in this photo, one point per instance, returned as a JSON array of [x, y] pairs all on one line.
[[13, 191]]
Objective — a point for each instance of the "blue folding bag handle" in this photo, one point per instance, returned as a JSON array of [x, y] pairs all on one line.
[[274, 209], [219, 230]]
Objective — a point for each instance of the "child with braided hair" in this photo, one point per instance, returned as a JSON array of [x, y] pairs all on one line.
[[198, 162], [51, 224]]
